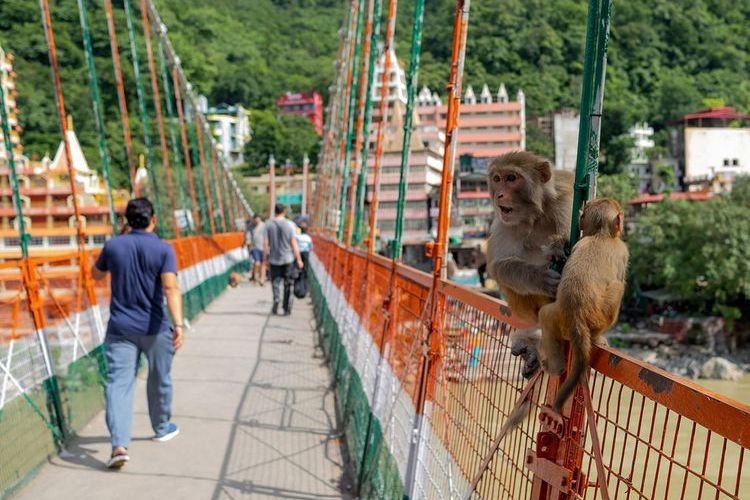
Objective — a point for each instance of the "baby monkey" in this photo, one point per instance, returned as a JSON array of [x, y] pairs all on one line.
[[588, 298]]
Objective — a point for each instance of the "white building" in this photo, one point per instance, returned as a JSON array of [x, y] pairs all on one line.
[[713, 147], [565, 133], [396, 80], [639, 166], [231, 127]]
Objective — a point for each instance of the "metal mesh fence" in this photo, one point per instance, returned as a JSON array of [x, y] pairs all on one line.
[[661, 436], [72, 336]]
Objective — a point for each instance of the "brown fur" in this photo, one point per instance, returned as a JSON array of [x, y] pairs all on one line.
[[540, 202], [588, 298]]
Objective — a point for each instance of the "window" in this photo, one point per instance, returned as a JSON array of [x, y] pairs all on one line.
[[59, 241], [726, 162], [736, 162], [99, 239]]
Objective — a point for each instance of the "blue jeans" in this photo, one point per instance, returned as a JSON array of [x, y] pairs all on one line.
[[122, 353]]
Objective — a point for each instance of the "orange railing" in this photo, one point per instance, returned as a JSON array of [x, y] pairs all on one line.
[[661, 436]]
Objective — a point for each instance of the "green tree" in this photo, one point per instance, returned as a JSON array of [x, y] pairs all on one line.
[[620, 187], [699, 251], [741, 191], [285, 137], [268, 134]]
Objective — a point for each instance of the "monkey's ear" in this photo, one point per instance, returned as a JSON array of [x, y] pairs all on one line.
[[617, 225], [545, 171]]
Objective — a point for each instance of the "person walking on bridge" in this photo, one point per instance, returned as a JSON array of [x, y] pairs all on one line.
[[281, 251], [143, 272]]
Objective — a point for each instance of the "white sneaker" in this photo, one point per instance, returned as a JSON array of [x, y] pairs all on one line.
[[172, 431]]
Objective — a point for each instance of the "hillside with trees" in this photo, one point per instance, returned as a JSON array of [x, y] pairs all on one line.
[[666, 57]]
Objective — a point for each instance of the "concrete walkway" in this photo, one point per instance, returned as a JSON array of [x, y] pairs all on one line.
[[256, 414]]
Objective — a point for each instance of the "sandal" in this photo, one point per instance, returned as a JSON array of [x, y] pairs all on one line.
[[117, 460]]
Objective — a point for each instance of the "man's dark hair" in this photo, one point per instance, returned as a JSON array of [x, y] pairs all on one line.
[[258, 216], [139, 213], [279, 209]]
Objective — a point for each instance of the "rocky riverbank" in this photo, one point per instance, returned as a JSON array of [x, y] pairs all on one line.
[[691, 361]]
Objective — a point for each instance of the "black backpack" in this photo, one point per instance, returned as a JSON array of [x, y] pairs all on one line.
[[300, 286]]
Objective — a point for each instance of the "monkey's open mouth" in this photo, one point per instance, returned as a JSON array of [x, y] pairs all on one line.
[[505, 210]]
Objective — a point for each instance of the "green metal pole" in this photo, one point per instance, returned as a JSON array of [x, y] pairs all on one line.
[[97, 104], [340, 128], [592, 97], [172, 126], [22, 234], [412, 83], [142, 108], [199, 188], [377, 16], [58, 432], [349, 130], [211, 180], [221, 183]]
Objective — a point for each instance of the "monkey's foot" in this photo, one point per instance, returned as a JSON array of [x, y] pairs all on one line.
[[529, 355], [531, 366]]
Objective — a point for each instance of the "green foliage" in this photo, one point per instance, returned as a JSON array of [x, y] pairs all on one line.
[[286, 137], [666, 58], [538, 142], [620, 187], [699, 251], [741, 190]]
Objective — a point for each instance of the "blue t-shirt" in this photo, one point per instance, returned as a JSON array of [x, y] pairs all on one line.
[[136, 262]]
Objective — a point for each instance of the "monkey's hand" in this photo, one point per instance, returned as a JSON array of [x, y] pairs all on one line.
[[557, 251], [525, 343], [548, 281]]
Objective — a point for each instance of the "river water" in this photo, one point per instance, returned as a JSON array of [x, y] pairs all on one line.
[[738, 390]]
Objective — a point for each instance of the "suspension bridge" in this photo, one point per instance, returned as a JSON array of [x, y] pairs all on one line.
[[389, 383]]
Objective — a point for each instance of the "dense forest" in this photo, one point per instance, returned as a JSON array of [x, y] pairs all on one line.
[[666, 57]]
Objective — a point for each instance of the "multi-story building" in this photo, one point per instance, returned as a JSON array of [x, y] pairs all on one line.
[[425, 170], [475, 205], [231, 127], [47, 201], [46, 194], [307, 104], [712, 146], [489, 126], [640, 166]]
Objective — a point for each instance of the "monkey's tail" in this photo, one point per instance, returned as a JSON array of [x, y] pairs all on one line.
[[580, 346], [515, 418]]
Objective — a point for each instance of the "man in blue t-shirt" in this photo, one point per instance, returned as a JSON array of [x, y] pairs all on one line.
[[143, 272]]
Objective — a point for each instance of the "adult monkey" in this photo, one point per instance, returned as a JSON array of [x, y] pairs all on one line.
[[532, 203]]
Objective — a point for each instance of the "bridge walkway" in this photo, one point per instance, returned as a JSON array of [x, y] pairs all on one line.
[[254, 403]]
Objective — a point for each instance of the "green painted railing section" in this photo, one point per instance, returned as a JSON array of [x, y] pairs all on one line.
[[412, 80], [351, 118], [97, 105], [173, 134], [372, 461], [592, 97], [375, 37], [150, 164]]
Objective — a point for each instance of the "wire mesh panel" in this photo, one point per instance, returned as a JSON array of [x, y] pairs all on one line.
[[661, 436]]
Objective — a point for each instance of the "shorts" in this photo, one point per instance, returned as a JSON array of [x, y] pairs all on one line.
[[257, 254]]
